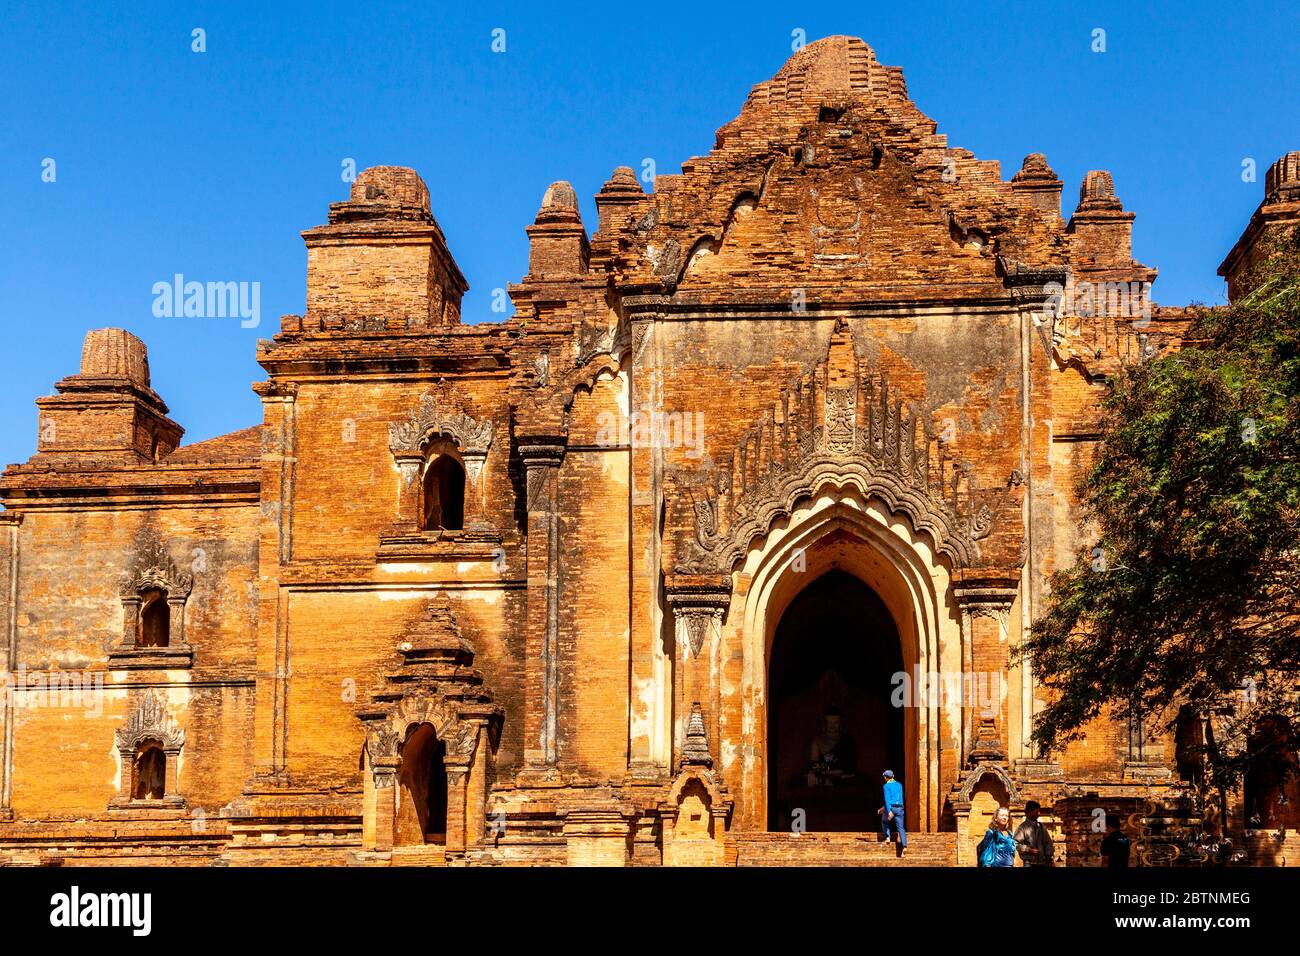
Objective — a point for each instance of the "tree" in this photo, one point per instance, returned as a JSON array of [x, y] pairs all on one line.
[[1191, 597]]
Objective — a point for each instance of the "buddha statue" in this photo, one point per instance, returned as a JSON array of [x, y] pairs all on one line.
[[832, 753]]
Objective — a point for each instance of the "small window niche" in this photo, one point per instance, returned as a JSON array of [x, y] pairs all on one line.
[[155, 619], [149, 772], [149, 747], [154, 594], [438, 457], [442, 503]]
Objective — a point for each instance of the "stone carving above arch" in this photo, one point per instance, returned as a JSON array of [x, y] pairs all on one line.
[[154, 568], [860, 432], [423, 707], [149, 720], [427, 420], [967, 789]]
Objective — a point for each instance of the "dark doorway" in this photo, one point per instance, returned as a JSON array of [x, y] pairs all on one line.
[[155, 619], [150, 773], [833, 662], [444, 495], [422, 813], [1272, 779]]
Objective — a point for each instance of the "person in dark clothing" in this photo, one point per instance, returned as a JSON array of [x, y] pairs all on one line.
[[1115, 845], [1032, 838]]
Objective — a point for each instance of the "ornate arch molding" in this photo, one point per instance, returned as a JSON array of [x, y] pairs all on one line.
[[458, 731], [967, 789], [149, 722], [837, 424], [909, 577], [712, 549], [409, 441], [427, 420], [585, 376], [152, 568]]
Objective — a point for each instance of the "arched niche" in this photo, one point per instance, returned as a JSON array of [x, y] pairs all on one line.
[[411, 747], [841, 529]]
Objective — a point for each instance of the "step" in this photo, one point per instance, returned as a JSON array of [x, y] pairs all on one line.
[[838, 849], [429, 854]]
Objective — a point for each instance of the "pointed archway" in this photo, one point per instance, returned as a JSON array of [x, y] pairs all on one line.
[[831, 725], [842, 529]]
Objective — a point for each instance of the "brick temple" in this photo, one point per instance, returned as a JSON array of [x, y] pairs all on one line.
[[747, 502]]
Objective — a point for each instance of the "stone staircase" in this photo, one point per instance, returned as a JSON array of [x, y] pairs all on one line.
[[429, 854], [837, 849]]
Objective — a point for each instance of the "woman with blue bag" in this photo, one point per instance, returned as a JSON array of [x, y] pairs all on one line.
[[998, 848]]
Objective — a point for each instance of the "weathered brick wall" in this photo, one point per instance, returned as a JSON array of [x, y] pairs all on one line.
[[596, 641], [69, 614], [831, 236]]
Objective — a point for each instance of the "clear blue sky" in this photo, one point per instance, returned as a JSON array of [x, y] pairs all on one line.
[[209, 164]]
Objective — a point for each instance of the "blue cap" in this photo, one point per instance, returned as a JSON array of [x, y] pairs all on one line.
[[889, 773]]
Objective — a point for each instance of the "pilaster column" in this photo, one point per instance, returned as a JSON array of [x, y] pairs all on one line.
[[9, 523], [476, 788], [384, 772], [457, 778], [408, 516], [985, 621], [650, 732], [176, 619], [474, 459], [279, 450], [541, 461], [131, 619], [698, 605]]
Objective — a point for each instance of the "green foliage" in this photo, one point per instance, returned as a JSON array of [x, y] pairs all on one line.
[[1192, 593]]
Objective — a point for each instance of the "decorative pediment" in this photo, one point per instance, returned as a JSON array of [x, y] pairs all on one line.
[[859, 432], [153, 567], [967, 788], [150, 721], [830, 178], [436, 685], [428, 420]]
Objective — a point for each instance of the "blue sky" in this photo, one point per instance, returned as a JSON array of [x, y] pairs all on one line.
[[210, 164]]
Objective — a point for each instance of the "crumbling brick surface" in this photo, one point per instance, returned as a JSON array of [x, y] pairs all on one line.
[[834, 325]]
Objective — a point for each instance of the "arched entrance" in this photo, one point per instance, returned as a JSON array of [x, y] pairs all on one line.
[[422, 807], [831, 728], [843, 529]]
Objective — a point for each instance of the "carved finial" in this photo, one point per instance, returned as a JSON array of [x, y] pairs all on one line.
[[391, 186], [153, 568], [426, 420], [622, 183], [695, 751], [1098, 192], [1282, 181], [150, 721], [1034, 168], [559, 204], [115, 353]]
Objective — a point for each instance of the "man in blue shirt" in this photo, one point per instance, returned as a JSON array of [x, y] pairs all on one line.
[[891, 814]]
